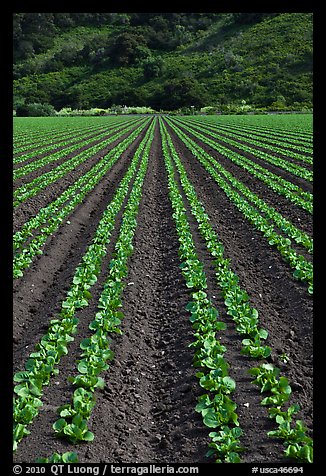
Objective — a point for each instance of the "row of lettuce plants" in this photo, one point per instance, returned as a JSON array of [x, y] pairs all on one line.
[[49, 218], [26, 137], [42, 363], [299, 236], [68, 147], [303, 269], [29, 139], [30, 134], [297, 444], [281, 141], [72, 424], [32, 188], [217, 408], [292, 192], [267, 125], [247, 135], [49, 147], [284, 164], [56, 136]]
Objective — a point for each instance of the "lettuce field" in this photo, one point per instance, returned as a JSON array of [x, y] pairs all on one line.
[[163, 289]]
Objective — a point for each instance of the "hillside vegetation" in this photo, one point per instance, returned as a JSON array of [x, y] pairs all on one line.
[[163, 60]]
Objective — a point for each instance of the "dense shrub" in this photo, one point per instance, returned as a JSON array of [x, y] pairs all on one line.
[[35, 109]]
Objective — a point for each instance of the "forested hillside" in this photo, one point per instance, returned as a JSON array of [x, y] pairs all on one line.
[[163, 60]]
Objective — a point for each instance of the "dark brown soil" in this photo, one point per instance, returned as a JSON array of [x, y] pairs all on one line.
[[146, 413]]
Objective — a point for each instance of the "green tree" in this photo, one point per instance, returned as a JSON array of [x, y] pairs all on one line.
[[125, 48], [68, 55], [177, 93], [153, 67], [141, 53], [35, 110]]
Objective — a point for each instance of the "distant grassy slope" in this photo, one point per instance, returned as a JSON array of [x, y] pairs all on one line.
[[267, 63]]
